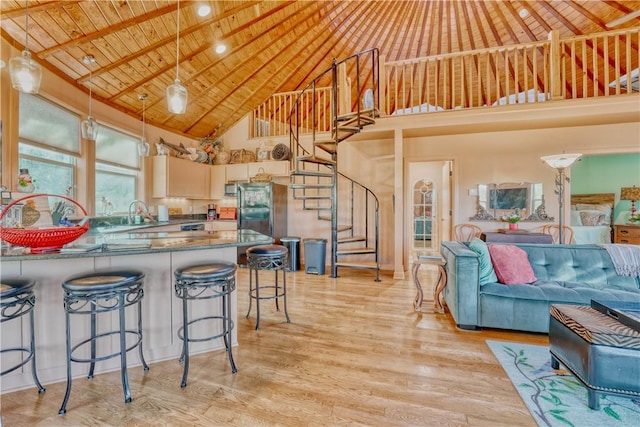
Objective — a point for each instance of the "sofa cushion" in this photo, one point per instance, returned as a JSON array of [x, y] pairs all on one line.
[[487, 273], [511, 265]]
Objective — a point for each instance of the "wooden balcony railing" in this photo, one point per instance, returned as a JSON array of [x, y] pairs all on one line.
[[601, 64]]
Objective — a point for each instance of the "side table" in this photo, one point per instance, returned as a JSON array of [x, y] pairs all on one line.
[[419, 260]]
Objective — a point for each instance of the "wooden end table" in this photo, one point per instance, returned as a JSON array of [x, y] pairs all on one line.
[[438, 260]]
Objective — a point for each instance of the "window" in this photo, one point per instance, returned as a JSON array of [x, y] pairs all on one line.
[[117, 167], [49, 144]]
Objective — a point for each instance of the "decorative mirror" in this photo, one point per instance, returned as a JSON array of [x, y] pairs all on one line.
[[524, 198]]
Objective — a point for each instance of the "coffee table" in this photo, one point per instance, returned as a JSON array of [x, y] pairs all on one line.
[[597, 347]]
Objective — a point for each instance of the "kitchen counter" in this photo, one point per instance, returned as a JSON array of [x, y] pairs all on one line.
[[137, 241], [157, 254]]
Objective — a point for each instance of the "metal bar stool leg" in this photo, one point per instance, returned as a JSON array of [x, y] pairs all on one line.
[[144, 362], [123, 353], [185, 343], [284, 295], [276, 293], [93, 345], [32, 353], [226, 314], [257, 289], [63, 408]]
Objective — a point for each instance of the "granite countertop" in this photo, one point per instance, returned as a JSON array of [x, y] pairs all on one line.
[[137, 242]]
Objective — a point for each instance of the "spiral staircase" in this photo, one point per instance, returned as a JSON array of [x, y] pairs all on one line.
[[351, 207]]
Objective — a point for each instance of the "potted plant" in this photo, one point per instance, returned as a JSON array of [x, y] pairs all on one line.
[[513, 218]]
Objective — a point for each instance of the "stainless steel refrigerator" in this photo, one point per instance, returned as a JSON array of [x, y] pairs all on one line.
[[262, 207]]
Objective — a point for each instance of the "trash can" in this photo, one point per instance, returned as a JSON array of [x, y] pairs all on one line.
[[293, 246], [314, 255]]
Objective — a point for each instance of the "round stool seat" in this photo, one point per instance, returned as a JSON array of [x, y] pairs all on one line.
[[98, 281], [12, 287], [267, 251], [210, 271]]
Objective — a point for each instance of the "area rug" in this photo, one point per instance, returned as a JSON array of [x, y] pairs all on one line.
[[555, 397]]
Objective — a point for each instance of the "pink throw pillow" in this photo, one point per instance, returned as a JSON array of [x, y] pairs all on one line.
[[511, 264]]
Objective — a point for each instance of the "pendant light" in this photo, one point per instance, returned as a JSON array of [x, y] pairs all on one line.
[[176, 93], [89, 127], [143, 145], [26, 74]]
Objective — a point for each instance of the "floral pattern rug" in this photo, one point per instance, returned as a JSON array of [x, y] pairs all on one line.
[[556, 397]]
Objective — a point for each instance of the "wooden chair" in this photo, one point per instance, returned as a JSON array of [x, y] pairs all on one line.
[[466, 232], [554, 231]]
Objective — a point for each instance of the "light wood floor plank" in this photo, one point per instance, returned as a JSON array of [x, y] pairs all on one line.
[[355, 354]]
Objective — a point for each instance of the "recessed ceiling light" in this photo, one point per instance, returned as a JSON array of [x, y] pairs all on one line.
[[523, 13], [204, 10], [220, 48]]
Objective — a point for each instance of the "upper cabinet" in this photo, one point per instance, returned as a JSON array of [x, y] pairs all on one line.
[[274, 168], [217, 181], [244, 171], [173, 177]]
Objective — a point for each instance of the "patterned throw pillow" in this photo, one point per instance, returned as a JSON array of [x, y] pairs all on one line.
[[603, 209], [591, 218]]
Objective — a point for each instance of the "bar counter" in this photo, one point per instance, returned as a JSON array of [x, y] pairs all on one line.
[[157, 254]]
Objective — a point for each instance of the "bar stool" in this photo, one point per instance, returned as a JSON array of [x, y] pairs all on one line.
[[216, 279], [16, 300], [267, 257], [99, 293]]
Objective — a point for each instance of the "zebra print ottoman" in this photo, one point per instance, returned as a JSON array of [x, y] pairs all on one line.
[[601, 352]]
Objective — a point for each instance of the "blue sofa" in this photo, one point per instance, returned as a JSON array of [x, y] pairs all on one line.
[[566, 274]]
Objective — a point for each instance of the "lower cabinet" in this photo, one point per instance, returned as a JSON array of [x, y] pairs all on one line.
[[174, 177]]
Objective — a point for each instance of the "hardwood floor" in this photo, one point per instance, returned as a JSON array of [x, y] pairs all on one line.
[[355, 354]]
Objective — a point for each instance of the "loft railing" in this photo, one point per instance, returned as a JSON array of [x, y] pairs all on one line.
[[588, 66]]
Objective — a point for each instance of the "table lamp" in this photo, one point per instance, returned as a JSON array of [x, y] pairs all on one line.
[[560, 162], [630, 193]]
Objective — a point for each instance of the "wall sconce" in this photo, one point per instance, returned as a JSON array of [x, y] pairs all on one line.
[[630, 193], [560, 162], [143, 145], [89, 127], [176, 93], [26, 74]]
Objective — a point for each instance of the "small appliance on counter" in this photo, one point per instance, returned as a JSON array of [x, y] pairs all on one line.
[[228, 213], [211, 212]]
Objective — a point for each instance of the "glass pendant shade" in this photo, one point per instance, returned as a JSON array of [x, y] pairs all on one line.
[[26, 74], [177, 98], [143, 148], [89, 129]]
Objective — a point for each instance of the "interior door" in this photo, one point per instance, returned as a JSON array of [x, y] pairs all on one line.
[[428, 206]]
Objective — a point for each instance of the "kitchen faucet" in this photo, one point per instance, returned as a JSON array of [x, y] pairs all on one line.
[[144, 213]]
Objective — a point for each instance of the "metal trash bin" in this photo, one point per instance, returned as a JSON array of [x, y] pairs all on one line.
[[314, 255], [293, 246]]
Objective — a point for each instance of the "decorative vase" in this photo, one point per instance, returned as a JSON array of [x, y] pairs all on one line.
[[25, 182], [513, 226], [222, 158]]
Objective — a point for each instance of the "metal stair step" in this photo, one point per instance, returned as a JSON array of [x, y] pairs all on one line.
[[351, 239], [356, 251], [344, 228], [329, 146], [369, 114], [310, 186], [317, 160], [312, 173]]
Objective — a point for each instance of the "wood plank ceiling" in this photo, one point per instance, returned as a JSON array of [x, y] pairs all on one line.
[[272, 46]]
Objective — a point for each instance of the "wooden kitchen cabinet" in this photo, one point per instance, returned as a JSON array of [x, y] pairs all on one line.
[[629, 234], [274, 168], [217, 179], [237, 172], [173, 177]]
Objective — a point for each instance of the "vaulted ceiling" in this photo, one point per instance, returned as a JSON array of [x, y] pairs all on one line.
[[272, 46]]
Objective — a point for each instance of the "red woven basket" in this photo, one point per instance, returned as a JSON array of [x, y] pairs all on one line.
[[42, 239]]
